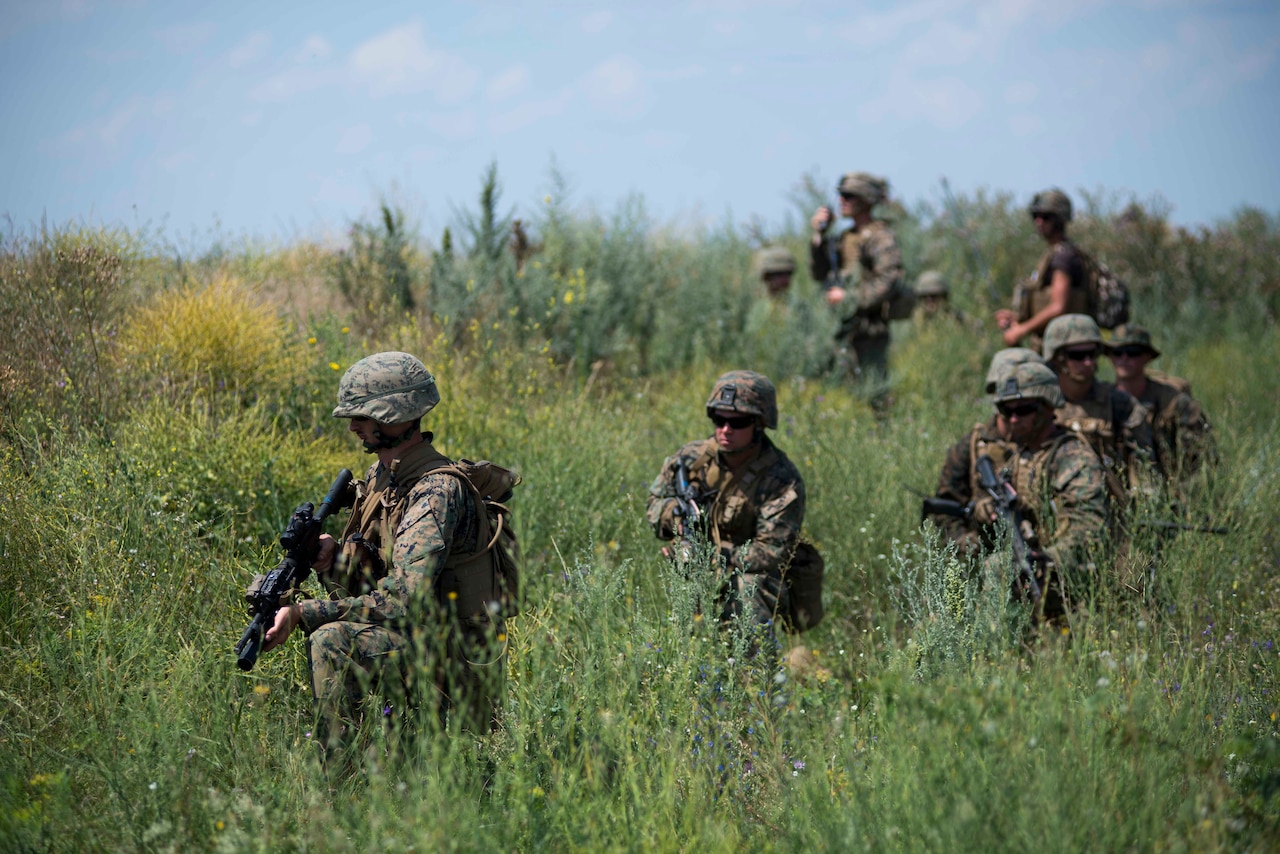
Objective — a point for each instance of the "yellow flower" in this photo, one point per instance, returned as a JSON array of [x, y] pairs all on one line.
[[453, 594], [218, 825], [546, 199], [537, 792], [261, 690], [346, 329], [311, 340], [568, 297], [335, 366]]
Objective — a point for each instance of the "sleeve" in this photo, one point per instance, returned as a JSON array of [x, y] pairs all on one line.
[[438, 505], [1067, 258], [1079, 503], [1138, 446], [660, 509], [1188, 436], [781, 516], [882, 270]]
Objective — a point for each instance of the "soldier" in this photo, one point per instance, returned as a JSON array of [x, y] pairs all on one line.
[[1113, 423], [955, 483], [1183, 437], [751, 498], [775, 266], [413, 584], [933, 299], [1060, 283], [1059, 481], [871, 248]]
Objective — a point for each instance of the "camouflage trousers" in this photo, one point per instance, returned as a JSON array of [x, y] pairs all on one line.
[[862, 359], [451, 676]]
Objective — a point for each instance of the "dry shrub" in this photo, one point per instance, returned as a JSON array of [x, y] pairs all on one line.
[[217, 337]]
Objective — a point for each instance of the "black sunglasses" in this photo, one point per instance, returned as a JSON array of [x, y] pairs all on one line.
[[1021, 410], [1081, 355], [740, 422], [1129, 352]]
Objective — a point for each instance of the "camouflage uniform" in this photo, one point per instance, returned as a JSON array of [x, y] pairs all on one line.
[[873, 254], [957, 478], [753, 514], [1114, 424], [773, 260], [1061, 489], [1183, 436], [394, 620], [1032, 296]]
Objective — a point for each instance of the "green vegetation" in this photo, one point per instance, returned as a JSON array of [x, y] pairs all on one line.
[[160, 419]]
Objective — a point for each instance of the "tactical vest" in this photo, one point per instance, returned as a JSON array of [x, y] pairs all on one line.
[[1027, 472], [1097, 422], [469, 584], [1031, 297], [901, 300], [732, 518]]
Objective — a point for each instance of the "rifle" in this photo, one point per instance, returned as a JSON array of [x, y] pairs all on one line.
[[689, 511], [1006, 499], [301, 542]]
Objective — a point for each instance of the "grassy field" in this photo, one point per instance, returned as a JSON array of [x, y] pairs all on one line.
[[161, 418]]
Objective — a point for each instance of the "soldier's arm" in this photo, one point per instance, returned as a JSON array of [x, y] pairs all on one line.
[[1191, 437], [1079, 502], [438, 504], [884, 271], [777, 528], [660, 509]]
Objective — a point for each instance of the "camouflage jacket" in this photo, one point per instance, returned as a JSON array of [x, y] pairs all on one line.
[[872, 253], [761, 505], [1182, 434], [956, 483], [402, 532], [1062, 496], [1117, 427]]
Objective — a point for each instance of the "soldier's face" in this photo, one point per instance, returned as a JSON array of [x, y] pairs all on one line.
[[777, 283], [1079, 362], [1130, 362], [373, 435], [1024, 420], [734, 431], [848, 204]]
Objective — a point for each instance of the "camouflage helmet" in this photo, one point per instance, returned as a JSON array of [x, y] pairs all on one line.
[[746, 392], [1003, 363], [1052, 201], [1132, 335], [1030, 380], [1068, 329], [774, 259], [872, 189], [931, 284], [390, 388]]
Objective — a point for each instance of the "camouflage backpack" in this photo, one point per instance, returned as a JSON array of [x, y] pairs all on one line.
[[1108, 294]]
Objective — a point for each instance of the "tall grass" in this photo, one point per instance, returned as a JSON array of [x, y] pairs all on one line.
[[133, 516]]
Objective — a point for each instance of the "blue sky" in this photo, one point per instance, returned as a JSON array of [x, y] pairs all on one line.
[[287, 121]]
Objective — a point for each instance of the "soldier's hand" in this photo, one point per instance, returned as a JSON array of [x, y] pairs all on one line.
[[984, 509], [1005, 318], [835, 296], [287, 619], [821, 220], [324, 557], [1012, 335]]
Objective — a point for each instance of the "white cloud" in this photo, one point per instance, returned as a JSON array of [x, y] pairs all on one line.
[[597, 22], [315, 49], [291, 82], [398, 62], [1022, 92], [354, 139], [182, 39], [514, 81], [250, 49], [617, 86], [529, 113], [945, 102], [457, 125]]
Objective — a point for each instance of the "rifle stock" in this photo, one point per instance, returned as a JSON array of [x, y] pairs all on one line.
[[1006, 501]]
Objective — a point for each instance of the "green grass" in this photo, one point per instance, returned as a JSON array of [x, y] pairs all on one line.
[[932, 723]]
